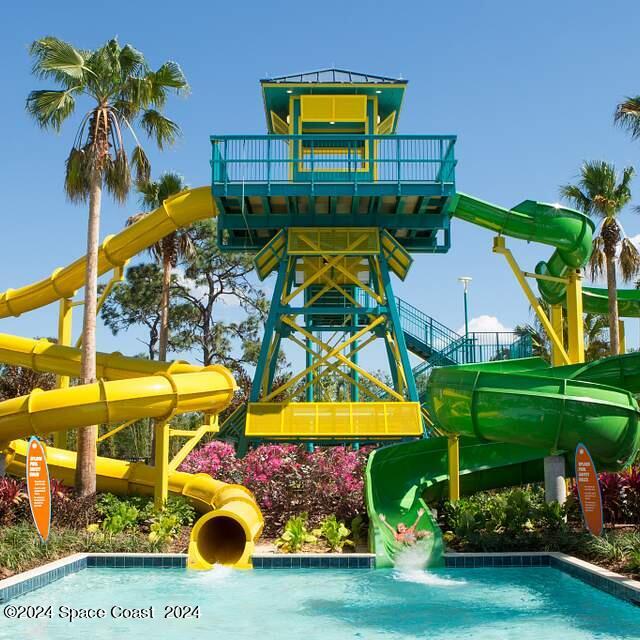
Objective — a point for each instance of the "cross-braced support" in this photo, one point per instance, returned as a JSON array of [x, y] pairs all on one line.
[[337, 283]]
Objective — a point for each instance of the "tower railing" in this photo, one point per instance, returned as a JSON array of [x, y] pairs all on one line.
[[329, 157]]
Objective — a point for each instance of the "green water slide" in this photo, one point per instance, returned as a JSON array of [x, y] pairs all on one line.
[[509, 414], [569, 231]]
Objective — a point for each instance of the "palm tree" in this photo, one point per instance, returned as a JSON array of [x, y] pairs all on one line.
[[627, 116], [168, 251], [122, 91], [596, 344], [601, 193]]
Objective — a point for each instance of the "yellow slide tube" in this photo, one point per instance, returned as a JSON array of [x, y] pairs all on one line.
[[178, 211], [129, 388]]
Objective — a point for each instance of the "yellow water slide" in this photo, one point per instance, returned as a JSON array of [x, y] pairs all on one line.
[[128, 389]]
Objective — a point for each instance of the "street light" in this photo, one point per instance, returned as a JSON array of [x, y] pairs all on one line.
[[465, 283]]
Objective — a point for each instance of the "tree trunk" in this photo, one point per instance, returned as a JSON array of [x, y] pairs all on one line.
[[87, 436], [612, 291], [164, 309]]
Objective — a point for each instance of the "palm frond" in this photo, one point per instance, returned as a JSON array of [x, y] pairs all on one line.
[[131, 61], [79, 167], [598, 259], [50, 108], [629, 260], [627, 116], [148, 194], [140, 164], [157, 126], [117, 175], [600, 190], [58, 60], [576, 197], [168, 76]]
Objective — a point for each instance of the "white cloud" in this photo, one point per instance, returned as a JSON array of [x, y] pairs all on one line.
[[636, 240], [484, 323]]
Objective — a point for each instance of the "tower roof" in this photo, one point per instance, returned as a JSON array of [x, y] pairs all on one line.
[[333, 75], [277, 91]]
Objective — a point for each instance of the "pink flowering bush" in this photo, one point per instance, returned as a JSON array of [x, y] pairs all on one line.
[[287, 480], [216, 458]]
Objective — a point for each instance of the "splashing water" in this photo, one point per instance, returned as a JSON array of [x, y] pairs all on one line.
[[218, 573], [410, 564]]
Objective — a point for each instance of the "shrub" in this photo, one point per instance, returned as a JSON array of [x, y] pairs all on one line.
[[335, 533], [216, 458], [295, 534], [286, 479], [612, 486], [12, 495], [631, 480], [73, 512], [511, 520], [21, 549]]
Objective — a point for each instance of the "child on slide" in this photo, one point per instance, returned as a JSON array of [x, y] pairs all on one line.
[[407, 535]]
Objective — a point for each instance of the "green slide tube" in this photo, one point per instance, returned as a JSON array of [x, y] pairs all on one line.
[[569, 231], [510, 415]]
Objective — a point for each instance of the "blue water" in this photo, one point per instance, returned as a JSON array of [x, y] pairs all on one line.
[[523, 604]]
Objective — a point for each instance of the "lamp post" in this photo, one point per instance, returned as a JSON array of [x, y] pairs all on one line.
[[465, 283]]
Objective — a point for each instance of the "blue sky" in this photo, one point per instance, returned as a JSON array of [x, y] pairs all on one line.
[[529, 88]]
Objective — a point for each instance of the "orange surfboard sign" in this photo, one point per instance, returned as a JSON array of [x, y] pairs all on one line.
[[589, 490], [39, 487]]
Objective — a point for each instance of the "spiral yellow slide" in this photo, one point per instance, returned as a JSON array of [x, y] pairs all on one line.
[[127, 389]]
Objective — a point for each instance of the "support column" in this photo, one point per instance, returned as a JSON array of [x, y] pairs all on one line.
[[557, 322], [161, 486], [65, 325], [453, 455], [555, 486], [575, 323], [621, 337]]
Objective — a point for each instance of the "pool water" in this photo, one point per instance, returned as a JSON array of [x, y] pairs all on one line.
[[523, 604]]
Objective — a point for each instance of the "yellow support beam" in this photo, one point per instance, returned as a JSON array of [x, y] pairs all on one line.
[[335, 366], [622, 338], [65, 326], [161, 484], [321, 359], [453, 457], [499, 246], [575, 323], [112, 432], [118, 276], [335, 353], [210, 426], [557, 320]]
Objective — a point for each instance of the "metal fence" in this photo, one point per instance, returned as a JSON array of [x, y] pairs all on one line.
[[330, 157]]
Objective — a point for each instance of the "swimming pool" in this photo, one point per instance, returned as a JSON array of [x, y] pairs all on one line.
[[524, 604]]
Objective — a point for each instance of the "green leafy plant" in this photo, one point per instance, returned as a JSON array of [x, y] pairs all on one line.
[[335, 533], [295, 534], [633, 563], [124, 516], [164, 529], [607, 548], [358, 530], [179, 508]]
